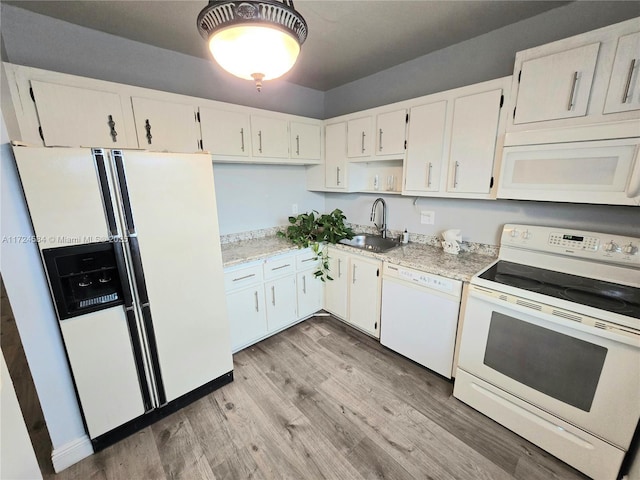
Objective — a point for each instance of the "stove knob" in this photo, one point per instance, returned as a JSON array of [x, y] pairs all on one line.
[[515, 233], [526, 234], [630, 249], [611, 247]]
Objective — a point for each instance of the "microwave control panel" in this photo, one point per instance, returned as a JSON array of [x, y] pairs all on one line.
[[575, 243]]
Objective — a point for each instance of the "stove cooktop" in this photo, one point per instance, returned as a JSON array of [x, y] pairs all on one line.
[[611, 297]]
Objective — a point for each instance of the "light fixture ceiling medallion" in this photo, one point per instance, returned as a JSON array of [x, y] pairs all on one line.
[[254, 40]]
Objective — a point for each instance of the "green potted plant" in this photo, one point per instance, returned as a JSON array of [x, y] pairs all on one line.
[[314, 230]]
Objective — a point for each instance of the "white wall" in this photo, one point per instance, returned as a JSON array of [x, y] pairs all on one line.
[[43, 42], [482, 58], [36, 320], [252, 197], [481, 221]]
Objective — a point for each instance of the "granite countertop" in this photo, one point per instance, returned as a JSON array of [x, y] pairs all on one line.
[[426, 258]]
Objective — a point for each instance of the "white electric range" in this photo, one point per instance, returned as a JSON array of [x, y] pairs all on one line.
[[551, 343]]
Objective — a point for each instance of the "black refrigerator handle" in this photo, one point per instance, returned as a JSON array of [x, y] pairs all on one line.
[[124, 191], [98, 156]]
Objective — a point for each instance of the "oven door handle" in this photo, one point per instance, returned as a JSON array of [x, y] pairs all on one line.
[[558, 316]]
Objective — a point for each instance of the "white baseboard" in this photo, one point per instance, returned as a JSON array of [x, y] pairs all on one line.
[[71, 453]]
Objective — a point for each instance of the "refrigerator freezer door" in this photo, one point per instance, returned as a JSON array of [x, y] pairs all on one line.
[[104, 370], [173, 205], [62, 191]]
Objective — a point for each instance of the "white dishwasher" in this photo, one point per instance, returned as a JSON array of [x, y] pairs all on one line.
[[420, 316]]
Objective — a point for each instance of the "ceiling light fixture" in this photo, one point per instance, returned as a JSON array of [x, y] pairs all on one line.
[[254, 40]]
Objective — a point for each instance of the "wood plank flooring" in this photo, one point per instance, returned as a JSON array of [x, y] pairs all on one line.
[[321, 400]]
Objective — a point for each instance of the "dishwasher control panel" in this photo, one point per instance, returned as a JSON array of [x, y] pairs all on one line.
[[422, 279]]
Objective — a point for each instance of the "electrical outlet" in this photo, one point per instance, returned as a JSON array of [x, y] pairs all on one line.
[[294, 209], [427, 217]]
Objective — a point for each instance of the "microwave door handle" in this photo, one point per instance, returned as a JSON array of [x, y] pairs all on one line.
[[633, 188]]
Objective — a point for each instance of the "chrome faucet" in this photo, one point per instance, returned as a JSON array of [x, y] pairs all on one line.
[[383, 227]]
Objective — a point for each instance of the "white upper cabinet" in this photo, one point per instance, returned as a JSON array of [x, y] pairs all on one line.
[[166, 126], [225, 132], [390, 132], [269, 137], [72, 116], [359, 142], [306, 141], [473, 141], [624, 85], [556, 86], [336, 156], [426, 147]]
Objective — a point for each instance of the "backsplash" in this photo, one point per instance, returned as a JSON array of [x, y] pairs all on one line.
[[479, 248]]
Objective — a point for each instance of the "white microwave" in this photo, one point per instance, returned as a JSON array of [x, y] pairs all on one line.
[[600, 172]]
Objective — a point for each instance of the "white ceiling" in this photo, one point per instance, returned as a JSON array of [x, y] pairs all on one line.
[[348, 39]]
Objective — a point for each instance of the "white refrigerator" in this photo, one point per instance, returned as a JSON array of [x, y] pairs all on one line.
[[131, 250]]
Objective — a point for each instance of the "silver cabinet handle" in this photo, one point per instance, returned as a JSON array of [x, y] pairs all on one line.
[[455, 175], [298, 145], [281, 266], [242, 278], [429, 174], [380, 142], [625, 95], [112, 127], [304, 284], [260, 141], [354, 274], [256, 297], [339, 268], [242, 139], [337, 175], [363, 135], [273, 296], [573, 91]]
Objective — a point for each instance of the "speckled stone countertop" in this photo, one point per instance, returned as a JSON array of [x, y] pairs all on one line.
[[426, 258]]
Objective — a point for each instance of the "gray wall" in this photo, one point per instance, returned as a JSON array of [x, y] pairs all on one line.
[[481, 221], [44, 42], [482, 58]]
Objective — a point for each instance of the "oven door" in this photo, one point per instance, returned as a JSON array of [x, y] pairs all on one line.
[[584, 375]]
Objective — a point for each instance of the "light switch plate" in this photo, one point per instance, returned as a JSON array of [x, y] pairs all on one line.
[[427, 217]]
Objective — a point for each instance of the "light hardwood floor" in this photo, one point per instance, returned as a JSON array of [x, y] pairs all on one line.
[[321, 400]]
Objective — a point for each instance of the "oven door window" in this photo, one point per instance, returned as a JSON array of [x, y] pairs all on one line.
[[558, 365]]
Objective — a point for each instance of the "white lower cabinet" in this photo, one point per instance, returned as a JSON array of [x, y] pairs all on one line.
[[281, 302], [335, 293], [265, 296], [365, 291]]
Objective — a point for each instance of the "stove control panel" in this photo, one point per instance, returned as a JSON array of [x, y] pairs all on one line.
[[575, 243]]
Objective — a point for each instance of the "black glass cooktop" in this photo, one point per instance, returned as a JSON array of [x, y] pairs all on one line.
[[607, 296]]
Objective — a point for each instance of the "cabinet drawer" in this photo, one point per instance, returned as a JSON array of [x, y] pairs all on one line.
[[307, 259], [242, 277], [278, 266]]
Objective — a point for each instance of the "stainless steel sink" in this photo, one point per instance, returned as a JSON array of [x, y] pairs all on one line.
[[372, 243]]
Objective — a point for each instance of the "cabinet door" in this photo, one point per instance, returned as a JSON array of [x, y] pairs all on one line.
[[165, 126], [310, 292], [556, 86], [359, 142], [247, 316], [425, 151], [473, 141], [71, 116], [624, 85], [270, 137], [390, 133], [365, 294], [281, 302], [305, 141], [224, 133], [335, 299], [335, 138]]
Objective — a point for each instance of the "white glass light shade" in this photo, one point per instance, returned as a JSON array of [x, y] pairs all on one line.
[[246, 50]]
